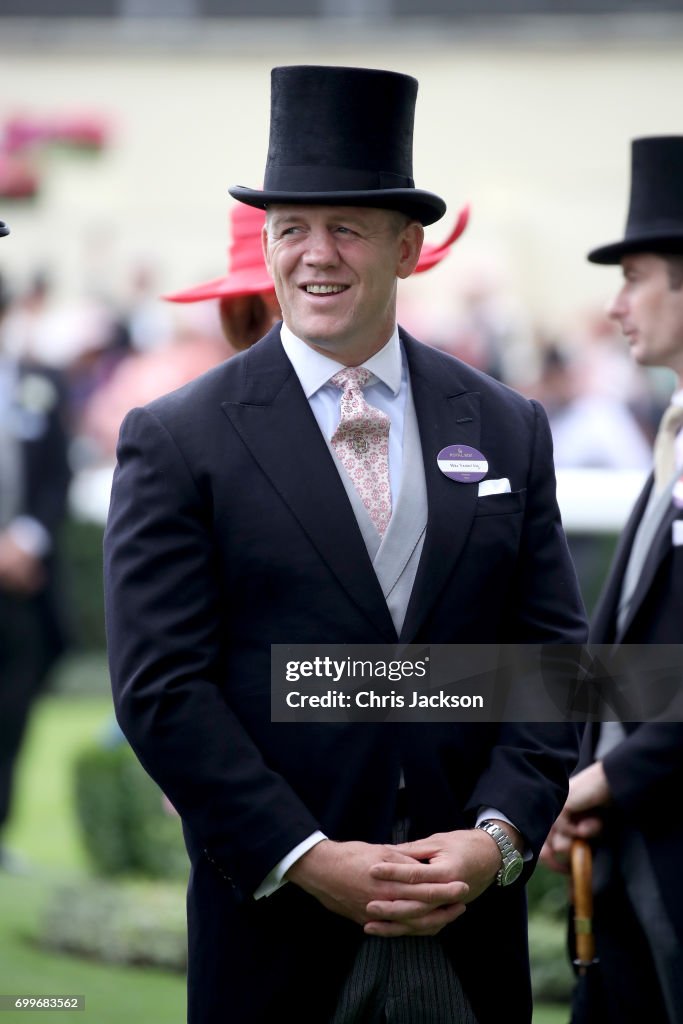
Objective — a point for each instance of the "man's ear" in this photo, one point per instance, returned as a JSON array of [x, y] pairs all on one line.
[[264, 245], [410, 246]]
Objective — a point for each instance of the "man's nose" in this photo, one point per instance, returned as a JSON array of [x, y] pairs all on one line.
[[616, 309], [321, 250]]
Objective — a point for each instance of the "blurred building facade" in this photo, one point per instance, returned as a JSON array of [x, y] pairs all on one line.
[[325, 8]]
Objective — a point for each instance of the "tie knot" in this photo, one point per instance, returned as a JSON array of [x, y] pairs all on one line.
[[351, 377]]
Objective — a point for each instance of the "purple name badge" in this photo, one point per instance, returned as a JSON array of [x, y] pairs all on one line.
[[462, 463]]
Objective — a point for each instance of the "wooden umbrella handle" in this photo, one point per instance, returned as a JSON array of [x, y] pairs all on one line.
[[582, 880]]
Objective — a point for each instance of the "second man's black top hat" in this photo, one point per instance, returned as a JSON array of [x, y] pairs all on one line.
[[655, 214], [4, 230], [342, 137]]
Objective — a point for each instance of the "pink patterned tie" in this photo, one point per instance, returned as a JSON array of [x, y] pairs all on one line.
[[361, 442]]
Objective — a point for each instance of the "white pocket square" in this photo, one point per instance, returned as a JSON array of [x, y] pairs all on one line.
[[501, 486], [677, 533]]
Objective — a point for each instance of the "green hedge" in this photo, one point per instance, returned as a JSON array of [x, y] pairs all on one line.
[[144, 923], [548, 893], [123, 824], [80, 552], [552, 977], [141, 923]]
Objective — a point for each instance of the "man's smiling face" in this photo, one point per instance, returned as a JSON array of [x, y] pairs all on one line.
[[335, 270]]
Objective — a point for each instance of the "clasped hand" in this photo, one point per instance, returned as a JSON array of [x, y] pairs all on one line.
[[580, 818], [411, 889]]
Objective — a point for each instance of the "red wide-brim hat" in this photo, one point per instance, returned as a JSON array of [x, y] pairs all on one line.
[[247, 273]]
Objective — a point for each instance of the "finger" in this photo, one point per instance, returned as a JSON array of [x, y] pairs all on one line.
[[411, 906], [392, 854], [428, 896], [410, 872], [588, 827], [430, 924], [397, 910], [419, 849]]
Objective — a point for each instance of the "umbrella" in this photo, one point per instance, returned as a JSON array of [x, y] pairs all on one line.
[[582, 882], [587, 1002]]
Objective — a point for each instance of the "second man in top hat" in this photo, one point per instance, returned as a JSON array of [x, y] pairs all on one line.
[[627, 793], [294, 495]]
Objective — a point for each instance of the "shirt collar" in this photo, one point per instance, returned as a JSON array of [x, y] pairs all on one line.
[[677, 397], [314, 369]]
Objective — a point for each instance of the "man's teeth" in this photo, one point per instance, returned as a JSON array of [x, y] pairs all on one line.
[[325, 289]]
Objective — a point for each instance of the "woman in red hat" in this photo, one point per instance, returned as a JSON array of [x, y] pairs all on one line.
[[247, 303]]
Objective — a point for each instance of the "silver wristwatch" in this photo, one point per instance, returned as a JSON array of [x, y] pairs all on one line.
[[512, 865]]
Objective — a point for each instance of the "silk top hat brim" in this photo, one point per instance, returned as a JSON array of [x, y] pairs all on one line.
[[666, 243], [424, 207], [342, 137], [655, 216]]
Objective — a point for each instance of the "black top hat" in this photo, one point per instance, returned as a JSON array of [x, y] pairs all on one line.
[[655, 214], [342, 137], [4, 230]]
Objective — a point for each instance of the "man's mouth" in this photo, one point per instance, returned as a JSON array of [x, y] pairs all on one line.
[[325, 289]]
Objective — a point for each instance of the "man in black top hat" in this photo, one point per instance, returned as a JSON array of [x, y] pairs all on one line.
[[293, 495], [627, 794]]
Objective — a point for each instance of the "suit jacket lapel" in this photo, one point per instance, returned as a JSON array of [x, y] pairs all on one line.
[[660, 547], [273, 418], [605, 615], [447, 414], [604, 619]]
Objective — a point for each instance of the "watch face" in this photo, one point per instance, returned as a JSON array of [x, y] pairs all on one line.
[[509, 873]]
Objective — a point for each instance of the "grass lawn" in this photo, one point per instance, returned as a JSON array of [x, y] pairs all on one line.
[[112, 994], [550, 1014], [44, 833], [43, 827]]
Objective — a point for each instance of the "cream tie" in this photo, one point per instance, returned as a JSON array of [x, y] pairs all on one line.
[[665, 447], [361, 442]]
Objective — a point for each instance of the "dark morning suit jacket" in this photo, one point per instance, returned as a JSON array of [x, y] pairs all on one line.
[[645, 771], [229, 530]]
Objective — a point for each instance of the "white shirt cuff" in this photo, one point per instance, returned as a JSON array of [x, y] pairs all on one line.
[[276, 878]]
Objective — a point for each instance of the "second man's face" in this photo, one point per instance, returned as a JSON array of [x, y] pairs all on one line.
[[650, 312], [335, 270]]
